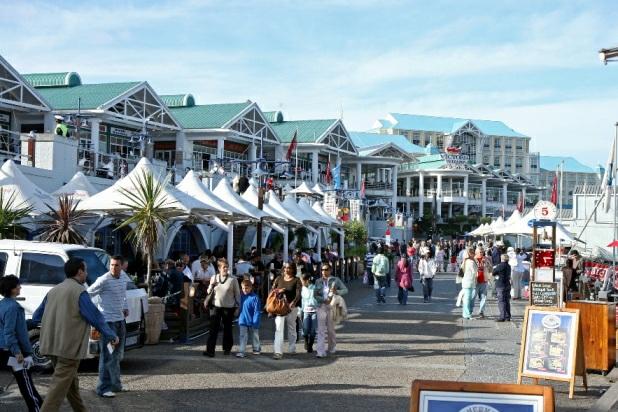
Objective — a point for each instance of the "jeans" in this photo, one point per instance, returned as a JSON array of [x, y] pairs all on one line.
[[402, 296], [468, 302], [227, 316], [280, 322], [481, 292], [245, 331], [504, 303], [427, 288], [380, 281], [310, 323], [109, 363]]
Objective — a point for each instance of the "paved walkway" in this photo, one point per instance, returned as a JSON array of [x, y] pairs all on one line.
[[381, 350]]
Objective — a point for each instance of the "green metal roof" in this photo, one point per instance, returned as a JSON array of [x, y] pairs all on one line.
[[178, 100], [92, 96], [63, 79], [273, 117], [309, 131], [208, 116]]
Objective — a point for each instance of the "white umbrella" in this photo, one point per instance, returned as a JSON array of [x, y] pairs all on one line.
[[225, 192], [15, 184], [303, 189], [111, 200], [79, 187]]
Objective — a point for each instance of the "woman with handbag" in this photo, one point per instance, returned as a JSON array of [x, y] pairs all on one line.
[[403, 277], [291, 287], [226, 302]]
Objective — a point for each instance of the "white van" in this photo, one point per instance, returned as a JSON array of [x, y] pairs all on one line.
[[40, 266]]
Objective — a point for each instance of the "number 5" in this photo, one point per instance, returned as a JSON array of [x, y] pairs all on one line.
[[544, 211]]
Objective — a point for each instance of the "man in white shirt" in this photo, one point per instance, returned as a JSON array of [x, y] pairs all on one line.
[[243, 266], [205, 272], [187, 269]]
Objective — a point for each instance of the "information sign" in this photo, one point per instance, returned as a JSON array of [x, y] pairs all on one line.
[[544, 293]]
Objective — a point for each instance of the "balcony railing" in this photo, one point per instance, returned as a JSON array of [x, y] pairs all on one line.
[[107, 166]]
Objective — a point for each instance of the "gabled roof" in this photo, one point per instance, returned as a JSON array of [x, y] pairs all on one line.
[[178, 100], [208, 116], [92, 96], [62, 79], [552, 163], [16, 92], [309, 131], [444, 124], [274, 116], [363, 140]]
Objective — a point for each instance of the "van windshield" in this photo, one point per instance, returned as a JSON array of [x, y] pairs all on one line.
[[97, 262]]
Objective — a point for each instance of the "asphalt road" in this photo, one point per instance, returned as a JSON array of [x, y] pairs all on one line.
[[380, 351]]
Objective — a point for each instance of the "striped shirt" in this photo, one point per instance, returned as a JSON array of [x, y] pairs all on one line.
[[112, 296]]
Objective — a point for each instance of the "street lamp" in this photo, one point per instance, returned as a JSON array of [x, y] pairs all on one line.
[[608, 55]]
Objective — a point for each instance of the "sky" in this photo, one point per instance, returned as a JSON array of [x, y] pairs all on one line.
[[532, 64]]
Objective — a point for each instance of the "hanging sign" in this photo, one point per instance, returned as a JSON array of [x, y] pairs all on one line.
[[545, 210]]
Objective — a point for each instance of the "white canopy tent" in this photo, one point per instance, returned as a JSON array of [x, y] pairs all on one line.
[[317, 207], [15, 184], [303, 189], [522, 227], [318, 189], [292, 207], [79, 187], [514, 218], [251, 196], [304, 205], [496, 225], [275, 204], [225, 192]]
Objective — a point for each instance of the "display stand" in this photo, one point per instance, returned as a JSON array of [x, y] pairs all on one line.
[[552, 347]]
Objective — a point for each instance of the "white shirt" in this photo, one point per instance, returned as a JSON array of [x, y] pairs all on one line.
[[202, 274], [187, 272], [242, 268]]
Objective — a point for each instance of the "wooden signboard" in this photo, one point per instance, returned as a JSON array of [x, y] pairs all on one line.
[[544, 293], [445, 396], [551, 346]]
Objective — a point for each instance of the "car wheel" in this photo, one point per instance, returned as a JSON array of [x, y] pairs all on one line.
[[41, 362]]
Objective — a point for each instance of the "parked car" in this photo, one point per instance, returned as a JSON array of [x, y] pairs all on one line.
[[40, 266]]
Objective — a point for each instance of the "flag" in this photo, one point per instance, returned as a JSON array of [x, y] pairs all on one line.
[[554, 190], [520, 202], [362, 190], [608, 176], [328, 177], [292, 146], [337, 176]]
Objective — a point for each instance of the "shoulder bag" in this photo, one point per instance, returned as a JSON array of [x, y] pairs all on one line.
[[277, 304]]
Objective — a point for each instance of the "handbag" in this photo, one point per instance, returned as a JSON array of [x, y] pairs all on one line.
[[277, 304], [209, 302]]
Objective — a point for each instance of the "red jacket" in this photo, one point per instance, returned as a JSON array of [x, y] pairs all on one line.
[[403, 275]]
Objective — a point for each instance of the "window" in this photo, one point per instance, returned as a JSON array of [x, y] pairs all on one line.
[[3, 259], [416, 138], [41, 268], [97, 262]]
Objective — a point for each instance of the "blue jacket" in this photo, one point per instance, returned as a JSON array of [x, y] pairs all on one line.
[[13, 329], [308, 295], [333, 281], [250, 311]]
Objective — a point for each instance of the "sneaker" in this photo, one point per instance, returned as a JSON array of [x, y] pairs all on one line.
[[277, 356], [210, 355], [320, 356], [256, 352], [108, 394], [481, 316], [122, 389]]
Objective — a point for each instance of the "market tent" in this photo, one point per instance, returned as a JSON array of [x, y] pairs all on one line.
[[225, 192], [251, 196], [110, 200], [318, 189], [193, 186], [304, 205], [290, 204], [522, 227], [303, 189], [14, 184], [79, 187], [496, 225], [514, 218], [275, 204], [317, 206]]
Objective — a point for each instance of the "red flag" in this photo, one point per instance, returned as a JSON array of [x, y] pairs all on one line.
[[554, 190], [292, 146], [520, 203], [362, 190], [329, 177]]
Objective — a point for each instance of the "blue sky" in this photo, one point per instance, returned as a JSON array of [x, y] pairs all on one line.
[[531, 64]]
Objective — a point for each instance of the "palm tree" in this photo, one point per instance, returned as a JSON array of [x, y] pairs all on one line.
[[10, 216], [149, 213], [64, 223]]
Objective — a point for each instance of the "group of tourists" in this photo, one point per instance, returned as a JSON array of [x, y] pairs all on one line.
[[66, 315]]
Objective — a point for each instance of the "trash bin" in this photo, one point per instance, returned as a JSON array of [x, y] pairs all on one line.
[[154, 320]]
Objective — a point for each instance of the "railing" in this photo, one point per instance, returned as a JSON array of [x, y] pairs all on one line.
[[11, 148], [106, 166], [379, 186]]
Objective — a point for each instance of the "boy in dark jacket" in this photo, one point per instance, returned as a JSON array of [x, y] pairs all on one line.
[[249, 319], [502, 276]]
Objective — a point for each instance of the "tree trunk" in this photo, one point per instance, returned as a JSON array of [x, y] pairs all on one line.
[[148, 270]]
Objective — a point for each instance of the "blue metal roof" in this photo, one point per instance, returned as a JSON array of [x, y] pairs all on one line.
[[448, 124], [364, 140], [552, 163]]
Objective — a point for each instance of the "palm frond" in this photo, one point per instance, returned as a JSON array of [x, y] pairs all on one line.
[[11, 214], [63, 227]]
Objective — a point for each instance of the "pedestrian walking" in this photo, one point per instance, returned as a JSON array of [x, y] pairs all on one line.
[[440, 255], [310, 311], [427, 268], [502, 276], [468, 283], [515, 274], [289, 284], [481, 281], [325, 288], [249, 319], [111, 288], [380, 269], [227, 301], [65, 315], [403, 277], [14, 342]]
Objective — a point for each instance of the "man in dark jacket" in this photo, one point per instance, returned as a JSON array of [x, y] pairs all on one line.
[[502, 276]]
